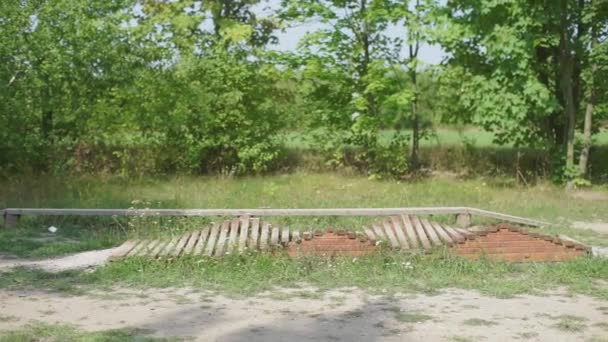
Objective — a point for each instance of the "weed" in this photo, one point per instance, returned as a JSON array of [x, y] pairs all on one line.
[[570, 323], [478, 322], [47, 332], [412, 317], [527, 334]]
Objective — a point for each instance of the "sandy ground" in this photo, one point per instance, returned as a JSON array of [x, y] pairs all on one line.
[[75, 261], [600, 227], [308, 315]]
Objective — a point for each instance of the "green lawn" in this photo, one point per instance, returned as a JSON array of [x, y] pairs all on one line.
[[442, 136], [257, 272]]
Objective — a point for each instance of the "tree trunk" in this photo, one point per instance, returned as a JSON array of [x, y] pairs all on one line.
[[584, 157], [414, 160], [566, 66], [414, 47]]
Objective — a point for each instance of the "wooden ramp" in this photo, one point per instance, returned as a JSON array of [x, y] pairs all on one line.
[[250, 233]]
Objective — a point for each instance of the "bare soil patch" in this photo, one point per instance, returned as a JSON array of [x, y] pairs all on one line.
[[306, 314]]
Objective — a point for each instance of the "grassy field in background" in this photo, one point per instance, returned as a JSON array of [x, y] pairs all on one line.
[[442, 136]]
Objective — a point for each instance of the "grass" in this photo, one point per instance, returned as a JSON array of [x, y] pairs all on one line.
[[379, 273], [412, 317], [570, 323], [257, 272], [478, 322], [67, 333], [299, 190], [442, 136]]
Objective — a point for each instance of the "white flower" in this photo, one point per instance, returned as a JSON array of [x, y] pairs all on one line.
[[53, 229]]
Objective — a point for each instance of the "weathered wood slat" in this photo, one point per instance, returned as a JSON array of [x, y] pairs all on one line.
[[274, 237], [295, 236], [255, 233], [456, 236], [244, 233], [409, 231], [221, 240], [424, 240], [239, 212], [285, 236], [391, 235], [123, 249], [233, 238], [200, 241], [11, 213], [379, 232], [370, 234], [211, 241], [158, 249], [443, 235], [147, 250], [180, 244], [399, 232], [137, 249], [169, 246], [464, 232], [189, 245], [430, 232], [264, 236]]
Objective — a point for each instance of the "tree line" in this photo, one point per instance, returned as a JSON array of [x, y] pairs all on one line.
[[151, 86]]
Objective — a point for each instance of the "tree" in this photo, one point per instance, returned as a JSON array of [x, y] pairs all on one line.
[[523, 64]]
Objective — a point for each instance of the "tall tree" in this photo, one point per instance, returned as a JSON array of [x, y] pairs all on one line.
[[523, 63]]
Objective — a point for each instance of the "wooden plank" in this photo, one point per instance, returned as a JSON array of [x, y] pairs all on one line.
[[189, 247], [213, 235], [169, 246], [295, 236], [410, 232], [285, 236], [274, 237], [234, 233], [505, 217], [200, 242], [264, 236], [456, 236], [11, 212], [464, 232], [237, 212], [147, 250], [370, 234], [180, 244], [391, 235], [244, 233], [424, 240], [159, 248], [430, 232], [379, 232], [255, 233], [399, 232], [221, 240], [123, 249], [443, 235], [137, 249]]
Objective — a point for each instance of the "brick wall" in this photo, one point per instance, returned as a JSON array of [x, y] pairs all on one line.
[[332, 243], [512, 244]]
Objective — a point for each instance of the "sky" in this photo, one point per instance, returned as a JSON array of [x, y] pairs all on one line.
[[288, 40]]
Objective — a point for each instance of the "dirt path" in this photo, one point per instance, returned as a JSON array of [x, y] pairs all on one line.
[[70, 262], [308, 315]]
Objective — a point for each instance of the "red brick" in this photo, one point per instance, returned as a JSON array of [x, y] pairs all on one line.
[[515, 245]]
